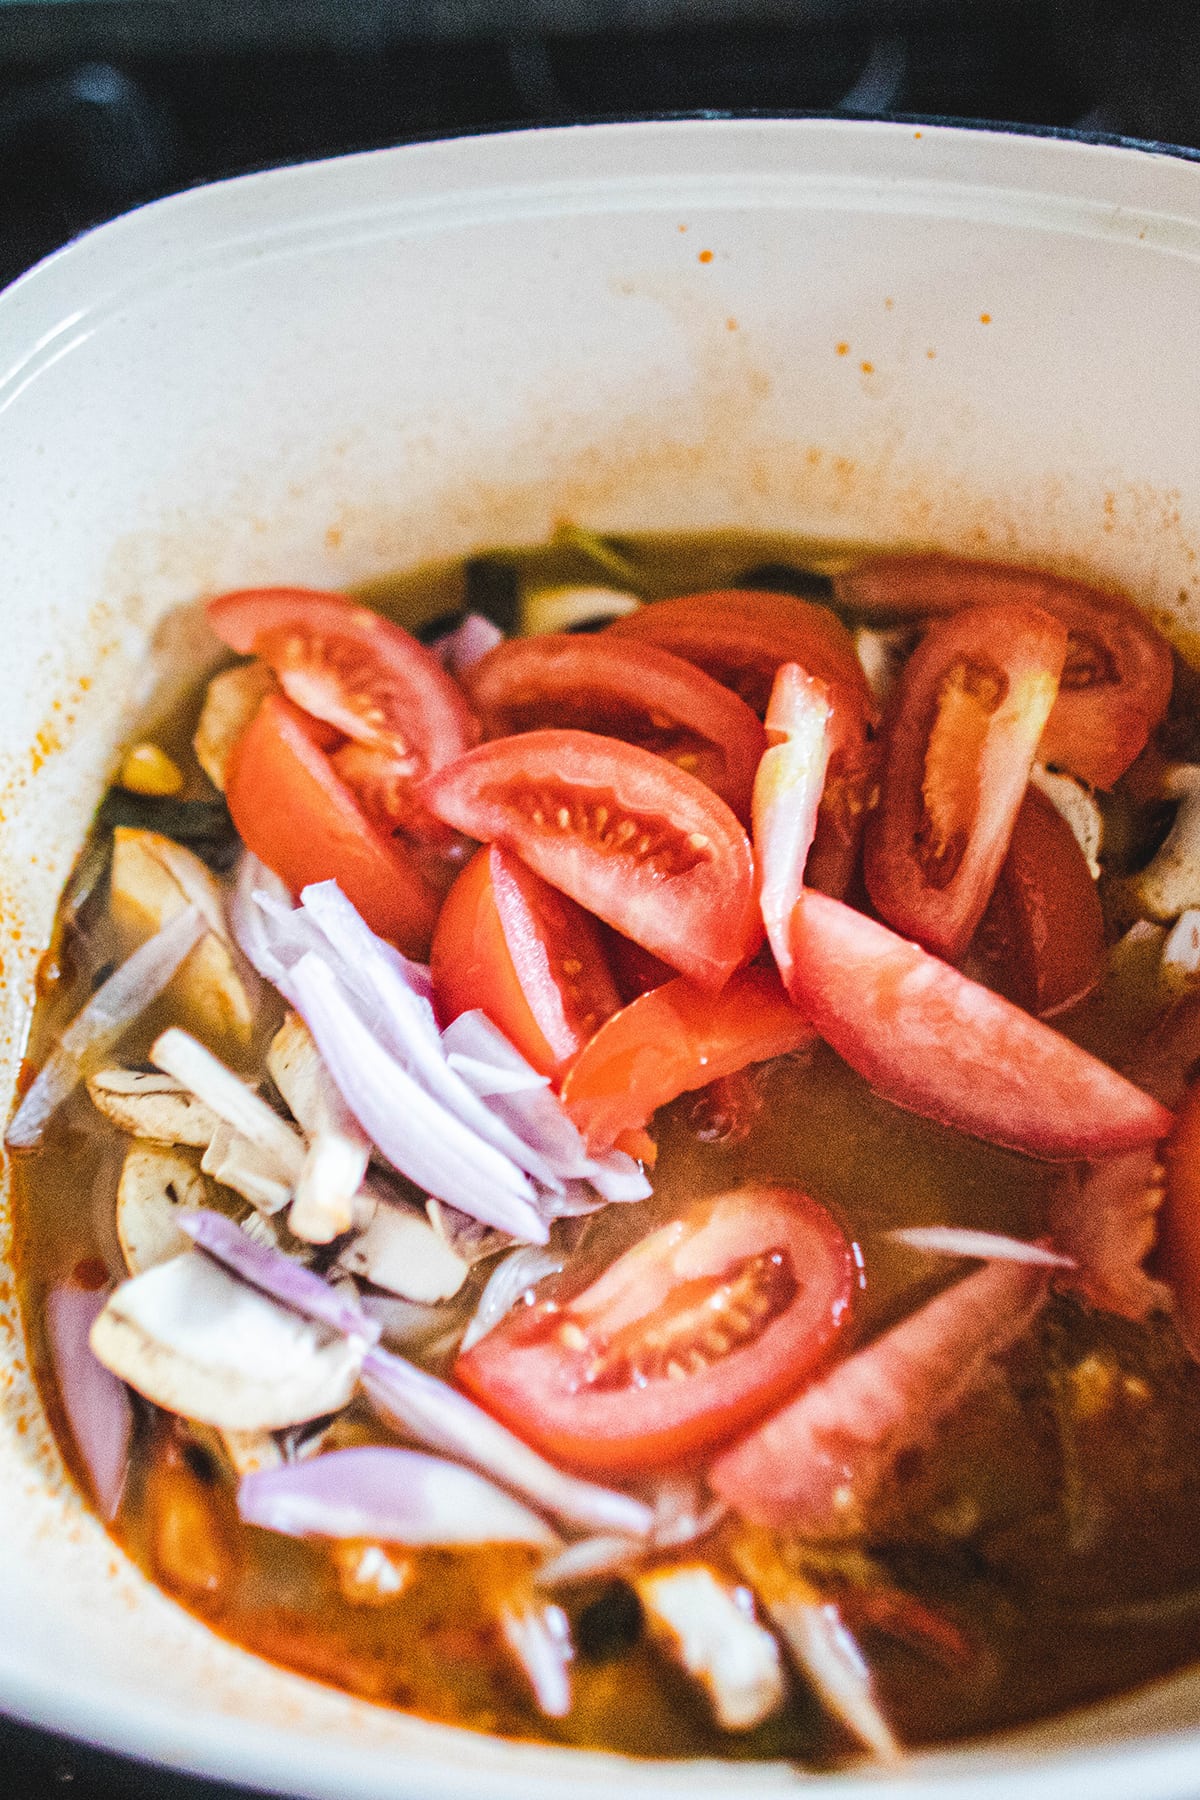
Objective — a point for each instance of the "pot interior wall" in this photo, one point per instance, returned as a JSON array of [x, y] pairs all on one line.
[[863, 332]]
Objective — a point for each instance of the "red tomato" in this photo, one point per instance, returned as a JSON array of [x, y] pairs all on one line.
[[740, 636], [636, 841], [1044, 926], [530, 958], [1119, 670], [849, 780], [962, 734], [672, 1040], [929, 1040], [701, 1328], [635, 692], [1180, 1219], [634, 970], [291, 810], [787, 793], [361, 673]]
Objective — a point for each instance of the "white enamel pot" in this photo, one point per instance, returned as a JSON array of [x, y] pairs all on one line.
[[927, 336]]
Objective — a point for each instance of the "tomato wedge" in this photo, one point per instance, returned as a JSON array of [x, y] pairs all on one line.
[[636, 841], [672, 1040], [740, 636], [1180, 1219], [531, 959], [962, 734], [697, 1331], [636, 692], [291, 810], [359, 672], [929, 1040], [1044, 926], [1118, 674]]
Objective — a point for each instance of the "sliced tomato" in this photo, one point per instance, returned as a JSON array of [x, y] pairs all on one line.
[[644, 846], [636, 692], [531, 959], [672, 1040], [291, 809], [635, 970], [1119, 670], [1180, 1219], [740, 636], [961, 737], [929, 1040], [850, 782], [787, 793], [362, 674], [1043, 930], [702, 1327]]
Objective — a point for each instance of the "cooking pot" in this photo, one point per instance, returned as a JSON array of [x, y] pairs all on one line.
[[884, 332]]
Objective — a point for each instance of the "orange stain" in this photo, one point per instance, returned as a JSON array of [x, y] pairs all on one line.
[[731, 324], [867, 368], [985, 318], [918, 134], [705, 256], [843, 349]]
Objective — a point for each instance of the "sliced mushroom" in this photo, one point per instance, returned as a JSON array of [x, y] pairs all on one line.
[[156, 1183], [231, 1098], [231, 702], [709, 1629], [199, 1342], [153, 878], [1170, 883], [254, 1173], [402, 1253], [250, 1451], [148, 1104], [338, 1151], [1180, 966], [562, 608], [1076, 802]]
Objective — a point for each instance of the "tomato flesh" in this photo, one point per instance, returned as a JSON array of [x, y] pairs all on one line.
[[1118, 673], [528, 956], [929, 1040], [740, 636], [961, 738], [1180, 1219], [697, 1331], [292, 811], [644, 846], [1044, 926], [672, 1040], [638, 693]]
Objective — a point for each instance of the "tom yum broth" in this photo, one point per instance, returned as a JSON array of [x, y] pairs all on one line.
[[621, 1168]]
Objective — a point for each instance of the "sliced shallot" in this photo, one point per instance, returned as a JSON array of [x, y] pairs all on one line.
[[439, 1416], [467, 643], [709, 1629], [96, 1403], [989, 1246], [278, 1275], [114, 1006], [395, 1496], [516, 1275], [539, 1636]]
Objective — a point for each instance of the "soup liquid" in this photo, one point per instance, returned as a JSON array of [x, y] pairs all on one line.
[[1053, 1522]]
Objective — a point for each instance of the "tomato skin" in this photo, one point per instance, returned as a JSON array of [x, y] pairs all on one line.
[[353, 668], [1119, 670], [931, 1041], [672, 1040], [538, 1384], [292, 811], [1044, 924], [960, 741], [639, 693], [740, 636], [1180, 1219], [635, 970], [503, 941], [644, 846]]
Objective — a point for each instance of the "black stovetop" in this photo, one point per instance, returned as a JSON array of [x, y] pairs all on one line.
[[107, 103]]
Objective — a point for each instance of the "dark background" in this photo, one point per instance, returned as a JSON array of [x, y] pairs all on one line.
[[108, 103]]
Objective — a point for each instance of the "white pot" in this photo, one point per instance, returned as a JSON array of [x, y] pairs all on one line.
[[920, 335]]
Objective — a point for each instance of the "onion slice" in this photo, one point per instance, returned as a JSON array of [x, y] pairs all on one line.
[[390, 1495], [514, 1276], [539, 1636], [988, 1246], [96, 1403], [278, 1275], [438, 1416], [92, 1033]]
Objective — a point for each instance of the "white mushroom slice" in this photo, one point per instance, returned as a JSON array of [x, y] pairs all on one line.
[[1180, 967], [402, 1253], [153, 878], [881, 655], [256, 1174], [231, 702], [338, 1150], [1170, 883], [559, 608], [155, 1184], [250, 1451], [230, 1098], [467, 1237], [1075, 801], [198, 1342], [152, 1105], [709, 1629]]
